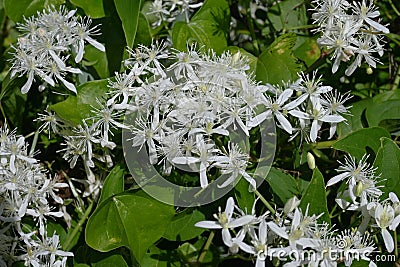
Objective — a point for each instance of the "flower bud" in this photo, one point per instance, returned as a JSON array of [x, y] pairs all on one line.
[[359, 189], [291, 204], [310, 161], [369, 71]]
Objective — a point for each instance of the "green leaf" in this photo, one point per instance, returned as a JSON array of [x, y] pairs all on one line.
[[128, 12], [13, 103], [377, 112], [17, 9], [307, 50], [356, 143], [111, 261], [315, 197], [76, 108], [182, 228], [93, 8], [68, 111], [244, 198], [283, 185], [354, 120], [388, 163], [288, 14], [277, 63], [143, 33], [129, 220], [160, 258], [113, 184], [208, 27], [98, 60]]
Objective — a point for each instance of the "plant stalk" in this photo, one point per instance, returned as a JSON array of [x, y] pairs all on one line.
[[83, 219], [266, 203], [206, 247]]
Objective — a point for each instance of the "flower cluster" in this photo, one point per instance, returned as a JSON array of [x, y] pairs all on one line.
[[291, 236], [46, 44], [25, 190], [350, 30], [167, 11], [362, 193], [181, 110], [311, 106]]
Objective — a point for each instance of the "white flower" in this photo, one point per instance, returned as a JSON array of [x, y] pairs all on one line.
[[352, 171], [367, 13], [385, 218], [83, 32], [226, 222], [318, 115]]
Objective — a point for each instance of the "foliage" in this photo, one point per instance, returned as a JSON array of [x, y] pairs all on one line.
[[107, 97]]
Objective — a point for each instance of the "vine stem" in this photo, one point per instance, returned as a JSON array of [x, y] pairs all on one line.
[[266, 203], [78, 226], [34, 142], [206, 247]]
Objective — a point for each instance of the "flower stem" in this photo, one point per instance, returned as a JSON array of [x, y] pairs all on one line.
[[34, 142], [206, 247], [79, 225], [266, 203], [324, 144]]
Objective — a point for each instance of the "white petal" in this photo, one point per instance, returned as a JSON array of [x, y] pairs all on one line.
[[81, 47], [203, 178], [280, 231], [230, 205], [314, 130], [70, 86], [257, 120], [336, 179], [95, 44], [299, 114], [246, 219], [262, 232], [208, 225], [185, 160], [377, 26], [395, 223], [284, 122], [58, 60], [284, 96], [28, 83], [388, 240], [393, 197]]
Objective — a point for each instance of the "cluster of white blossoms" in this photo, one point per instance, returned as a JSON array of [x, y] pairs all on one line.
[[181, 110], [350, 30], [362, 193], [168, 11], [46, 44], [25, 192], [290, 236]]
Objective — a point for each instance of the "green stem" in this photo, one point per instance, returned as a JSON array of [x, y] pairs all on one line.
[[266, 203], [394, 8], [4, 114], [34, 142], [206, 247], [83, 219], [252, 33], [324, 144], [302, 27]]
